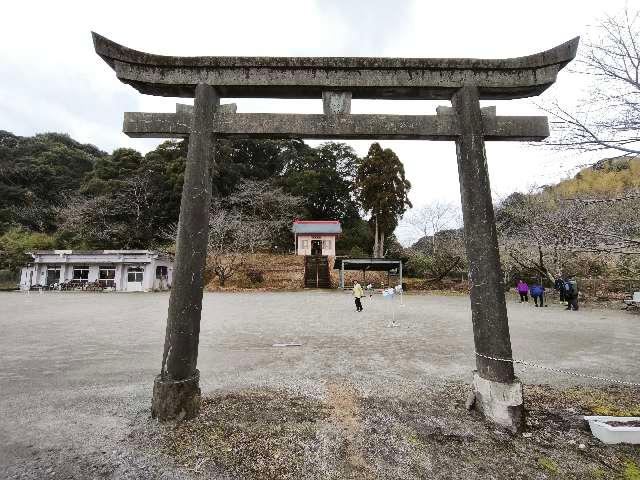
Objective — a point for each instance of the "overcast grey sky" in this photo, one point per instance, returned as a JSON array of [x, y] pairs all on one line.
[[51, 79]]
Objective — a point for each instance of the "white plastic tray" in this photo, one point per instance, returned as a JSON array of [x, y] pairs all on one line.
[[608, 434]]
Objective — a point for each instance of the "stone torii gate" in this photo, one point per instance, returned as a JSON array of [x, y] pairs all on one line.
[[498, 393]]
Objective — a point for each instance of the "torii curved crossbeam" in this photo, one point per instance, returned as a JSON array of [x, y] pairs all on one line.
[[308, 77]]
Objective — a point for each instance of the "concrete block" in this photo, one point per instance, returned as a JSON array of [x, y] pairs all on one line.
[[500, 403]]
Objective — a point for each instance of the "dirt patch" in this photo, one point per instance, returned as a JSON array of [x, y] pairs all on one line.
[[344, 402], [273, 435], [252, 434]]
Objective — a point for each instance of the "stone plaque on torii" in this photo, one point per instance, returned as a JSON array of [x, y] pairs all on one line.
[[337, 80]]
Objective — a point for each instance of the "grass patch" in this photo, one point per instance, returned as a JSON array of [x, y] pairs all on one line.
[[548, 464], [631, 471], [252, 435], [268, 434], [612, 400]]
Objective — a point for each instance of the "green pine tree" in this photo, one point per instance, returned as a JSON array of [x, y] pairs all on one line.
[[383, 192]]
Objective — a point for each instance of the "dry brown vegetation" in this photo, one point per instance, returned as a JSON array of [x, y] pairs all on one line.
[[268, 434], [278, 272]]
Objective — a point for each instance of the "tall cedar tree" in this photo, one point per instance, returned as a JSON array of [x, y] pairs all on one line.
[[383, 192]]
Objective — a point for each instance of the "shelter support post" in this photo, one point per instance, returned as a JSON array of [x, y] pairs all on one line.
[[498, 394], [342, 274], [176, 391]]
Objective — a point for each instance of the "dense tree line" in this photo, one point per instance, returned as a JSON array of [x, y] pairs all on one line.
[[58, 193]]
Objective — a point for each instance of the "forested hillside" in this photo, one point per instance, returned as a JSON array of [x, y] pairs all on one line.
[[58, 193], [606, 177], [587, 225]]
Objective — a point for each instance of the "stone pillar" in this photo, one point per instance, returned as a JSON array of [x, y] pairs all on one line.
[[498, 394], [176, 391]]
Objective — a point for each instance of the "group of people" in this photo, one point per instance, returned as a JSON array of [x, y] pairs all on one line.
[[567, 288], [536, 291]]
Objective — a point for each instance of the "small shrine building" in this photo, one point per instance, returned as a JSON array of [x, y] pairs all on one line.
[[316, 237]]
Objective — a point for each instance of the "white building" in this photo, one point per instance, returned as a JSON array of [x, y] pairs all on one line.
[[120, 270], [316, 237]]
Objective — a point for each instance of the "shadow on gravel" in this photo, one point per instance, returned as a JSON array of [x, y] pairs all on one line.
[[267, 434]]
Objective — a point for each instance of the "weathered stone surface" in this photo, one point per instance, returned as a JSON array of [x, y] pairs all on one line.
[[336, 103], [362, 126], [308, 77], [185, 303], [181, 108], [485, 111], [176, 399], [488, 308], [499, 402]]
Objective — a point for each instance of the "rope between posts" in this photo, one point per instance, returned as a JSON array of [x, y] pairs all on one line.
[[556, 370]]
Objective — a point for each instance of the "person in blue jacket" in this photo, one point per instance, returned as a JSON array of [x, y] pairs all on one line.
[[537, 292]]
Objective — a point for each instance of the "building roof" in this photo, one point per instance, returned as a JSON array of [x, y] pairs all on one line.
[[325, 227], [97, 256], [93, 252]]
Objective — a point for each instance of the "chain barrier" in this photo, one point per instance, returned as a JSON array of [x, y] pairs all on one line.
[[556, 370]]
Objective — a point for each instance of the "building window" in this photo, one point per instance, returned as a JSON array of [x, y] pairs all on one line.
[[135, 274], [162, 272], [326, 244], [81, 273], [305, 244], [53, 274], [107, 276]]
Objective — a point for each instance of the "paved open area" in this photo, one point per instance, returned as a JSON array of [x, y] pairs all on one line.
[[77, 368]]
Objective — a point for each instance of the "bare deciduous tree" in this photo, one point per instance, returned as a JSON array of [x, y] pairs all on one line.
[[542, 232], [250, 219], [432, 218], [228, 240], [120, 218], [609, 119]]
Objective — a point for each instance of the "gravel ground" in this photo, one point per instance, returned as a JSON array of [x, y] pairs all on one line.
[[358, 399]]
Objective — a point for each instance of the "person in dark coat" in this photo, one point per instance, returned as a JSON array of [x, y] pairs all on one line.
[[571, 293], [559, 286], [537, 293]]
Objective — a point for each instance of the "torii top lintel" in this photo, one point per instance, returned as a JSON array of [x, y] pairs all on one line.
[[308, 77]]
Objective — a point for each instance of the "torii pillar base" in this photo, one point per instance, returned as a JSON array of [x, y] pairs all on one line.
[[176, 399], [499, 402]]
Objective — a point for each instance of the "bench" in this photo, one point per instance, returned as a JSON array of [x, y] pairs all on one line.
[[634, 301]]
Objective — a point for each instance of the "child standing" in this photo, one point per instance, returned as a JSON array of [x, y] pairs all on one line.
[[358, 293]]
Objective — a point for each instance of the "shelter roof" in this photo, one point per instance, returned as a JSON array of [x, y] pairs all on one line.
[[371, 264]]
